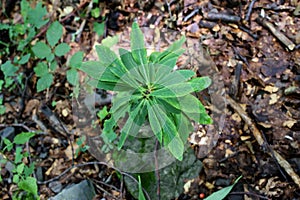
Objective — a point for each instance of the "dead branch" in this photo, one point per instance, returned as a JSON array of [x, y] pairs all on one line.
[[223, 17], [280, 36], [247, 18], [259, 138]]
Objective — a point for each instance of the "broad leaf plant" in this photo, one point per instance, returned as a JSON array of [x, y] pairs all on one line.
[[148, 90]]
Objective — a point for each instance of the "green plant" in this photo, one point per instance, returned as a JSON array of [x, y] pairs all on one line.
[[21, 172], [149, 90], [21, 35], [82, 147], [221, 194], [41, 50]]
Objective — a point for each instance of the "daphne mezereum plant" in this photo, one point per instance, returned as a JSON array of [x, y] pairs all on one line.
[[148, 90]]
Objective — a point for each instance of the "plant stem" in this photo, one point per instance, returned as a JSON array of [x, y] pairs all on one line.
[[157, 170]]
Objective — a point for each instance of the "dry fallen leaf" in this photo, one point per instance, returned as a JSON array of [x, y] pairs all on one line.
[[273, 98], [290, 123]]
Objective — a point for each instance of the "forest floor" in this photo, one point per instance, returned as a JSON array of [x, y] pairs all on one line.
[[249, 48]]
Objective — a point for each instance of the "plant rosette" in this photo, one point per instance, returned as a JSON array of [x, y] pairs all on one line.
[[151, 95]]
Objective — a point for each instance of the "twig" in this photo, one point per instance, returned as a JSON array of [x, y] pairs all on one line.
[[82, 25], [189, 16], [259, 138], [280, 36], [103, 190], [108, 185], [223, 17], [19, 125], [255, 36], [235, 86], [169, 9], [247, 18]]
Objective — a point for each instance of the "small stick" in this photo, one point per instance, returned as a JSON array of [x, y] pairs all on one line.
[[223, 17], [82, 25], [280, 36], [192, 14], [255, 36], [235, 86], [250, 10], [259, 138]]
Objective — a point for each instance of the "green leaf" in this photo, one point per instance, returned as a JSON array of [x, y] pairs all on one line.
[[176, 147], [29, 185], [24, 59], [170, 104], [54, 33], [176, 90], [36, 15], [50, 57], [30, 35], [41, 69], [157, 120], [107, 56], [108, 133], [102, 113], [44, 82], [138, 50], [95, 12], [62, 49], [172, 49], [110, 41], [99, 28], [53, 65], [141, 194], [200, 115], [29, 170], [9, 69], [18, 155], [94, 69], [16, 178], [20, 168], [25, 7], [76, 60], [72, 76], [8, 144], [200, 83], [221, 194], [133, 124], [169, 57], [41, 50], [127, 59], [175, 77], [23, 137]]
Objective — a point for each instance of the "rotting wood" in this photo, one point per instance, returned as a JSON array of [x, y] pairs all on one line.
[[280, 36], [259, 138]]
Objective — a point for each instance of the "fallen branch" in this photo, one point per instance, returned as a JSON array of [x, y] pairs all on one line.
[[259, 138], [223, 17], [280, 36]]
